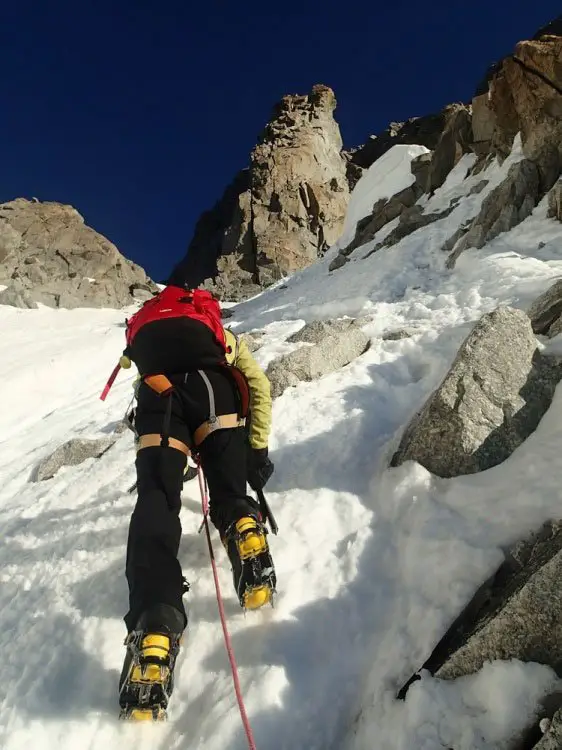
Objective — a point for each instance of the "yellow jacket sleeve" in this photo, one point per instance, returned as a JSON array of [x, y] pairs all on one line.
[[260, 390]]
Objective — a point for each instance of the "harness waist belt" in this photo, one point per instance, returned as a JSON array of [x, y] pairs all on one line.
[[221, 422]]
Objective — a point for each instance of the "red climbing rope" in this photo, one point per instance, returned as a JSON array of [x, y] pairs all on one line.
[[227, 641]]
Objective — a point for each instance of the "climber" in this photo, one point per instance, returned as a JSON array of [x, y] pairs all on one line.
[[200, 385]]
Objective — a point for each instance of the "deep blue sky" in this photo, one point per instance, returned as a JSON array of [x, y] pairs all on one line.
[[139, 112]]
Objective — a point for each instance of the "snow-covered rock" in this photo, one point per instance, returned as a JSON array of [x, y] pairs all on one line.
[[317, 330], [546, 310], [505, 207], [72, 453], [522, 618], [455, 141], [555, 201], [332, 352], [490, 401], [388, 176]]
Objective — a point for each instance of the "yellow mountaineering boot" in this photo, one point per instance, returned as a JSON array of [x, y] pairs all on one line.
[[252, 566], [146, 682]]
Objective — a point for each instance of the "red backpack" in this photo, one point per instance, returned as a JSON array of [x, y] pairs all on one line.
[[172, 302]]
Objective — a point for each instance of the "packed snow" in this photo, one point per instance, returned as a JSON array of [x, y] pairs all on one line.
[[373, 563]]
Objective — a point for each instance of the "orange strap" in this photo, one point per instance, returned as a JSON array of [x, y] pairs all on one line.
[[159, 383], [154, 439]]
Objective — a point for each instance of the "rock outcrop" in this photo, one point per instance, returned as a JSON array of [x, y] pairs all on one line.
[[546, 310], [555, 201], [282, 213], [491, 400], [316, 331], [483, 123], [333, 350], [522, 618], [505, 207], [71, 453], [448, 134], [425, 131], [16, 295], [253, 340], [523, 93], [516, 614], [427, 170], [49, 255], [384, 211], [552, 739], [455, 141], [410, 220]]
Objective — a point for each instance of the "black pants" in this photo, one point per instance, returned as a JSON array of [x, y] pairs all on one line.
[[153, 570]]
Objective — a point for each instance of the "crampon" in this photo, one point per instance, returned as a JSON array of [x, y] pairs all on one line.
[[148, 673], [252, 565]]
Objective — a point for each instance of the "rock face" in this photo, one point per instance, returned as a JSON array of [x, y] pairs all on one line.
[[48, 254], [253, 340], [546, 310], [72, 453], [483, 123], [425, 131], [552, 28], [525, 96], [523, 619], [454, 141], [411, 219], [384, 211], [332, 352], [402, 205], [17, 296], [491, 400], [505, 207], [223, 244], [516, 614], [552, 739], [555, 201], [421, 168], [448, 134], [282, 213]]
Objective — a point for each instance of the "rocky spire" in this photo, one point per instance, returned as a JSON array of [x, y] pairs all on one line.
[[282, 212]]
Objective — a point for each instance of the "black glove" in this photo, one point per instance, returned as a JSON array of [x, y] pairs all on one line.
[[260, 468]]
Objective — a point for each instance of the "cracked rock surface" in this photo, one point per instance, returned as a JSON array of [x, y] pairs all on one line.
[[490, 401]]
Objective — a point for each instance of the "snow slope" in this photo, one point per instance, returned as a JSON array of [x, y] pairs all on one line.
[[373, 564], [385, 177]]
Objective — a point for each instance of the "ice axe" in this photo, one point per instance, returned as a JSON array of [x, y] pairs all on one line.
[[266, 512]]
